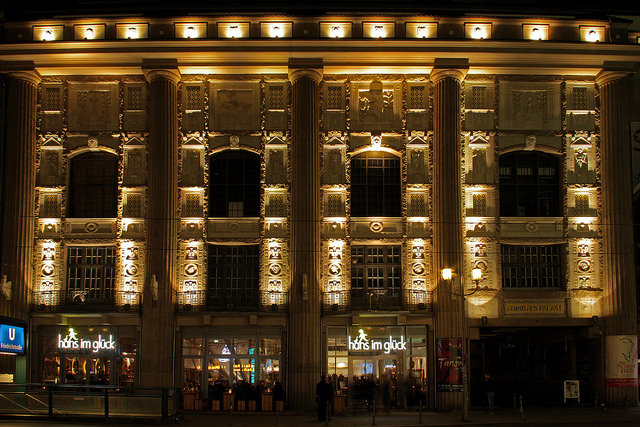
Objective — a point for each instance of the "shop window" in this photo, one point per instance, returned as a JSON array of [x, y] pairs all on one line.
[[93, 186], [233, 277], [529, 184], [234, 184], [375, 276], [531, 267], [375, 185], [91, 275]]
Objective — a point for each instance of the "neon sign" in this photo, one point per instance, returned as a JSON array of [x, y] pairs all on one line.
[[72, 342], [364, 343]]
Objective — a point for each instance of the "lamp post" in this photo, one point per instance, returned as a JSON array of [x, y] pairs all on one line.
[[476, 275]]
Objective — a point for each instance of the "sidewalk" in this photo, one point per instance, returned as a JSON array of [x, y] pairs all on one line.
[[539, 416]]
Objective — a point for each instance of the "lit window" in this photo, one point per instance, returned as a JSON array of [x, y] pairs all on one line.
[[376, 276], [91, 275]]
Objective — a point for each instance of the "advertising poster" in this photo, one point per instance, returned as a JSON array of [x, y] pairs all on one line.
[[449, 359], [622, 361]]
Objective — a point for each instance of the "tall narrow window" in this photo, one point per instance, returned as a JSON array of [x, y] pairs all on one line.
[[529, 184], [233, 277], [531, 266], [375, 185], [91, 274], [234, 184], [93, 186], [376, 276]]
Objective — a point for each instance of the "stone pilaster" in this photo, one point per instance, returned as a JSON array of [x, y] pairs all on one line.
[[19, 195], [447, 203], [162, 227], [304, 361], [618, 278]]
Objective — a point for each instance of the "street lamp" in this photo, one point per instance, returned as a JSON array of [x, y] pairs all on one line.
[[476, 275]]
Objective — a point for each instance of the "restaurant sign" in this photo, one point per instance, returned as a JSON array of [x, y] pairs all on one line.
[[72, 342], [363, 343]]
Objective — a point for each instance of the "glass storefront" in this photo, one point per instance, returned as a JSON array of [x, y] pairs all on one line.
[[224, 358], [88, 355], [391, 357]]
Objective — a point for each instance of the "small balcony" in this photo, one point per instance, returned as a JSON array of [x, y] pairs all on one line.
[[231, 300], [87, 300], [377, 300]]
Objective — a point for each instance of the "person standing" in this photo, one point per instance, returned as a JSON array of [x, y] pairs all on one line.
[[324, 394], [490, 390]]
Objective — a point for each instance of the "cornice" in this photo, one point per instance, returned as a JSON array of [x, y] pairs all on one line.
[[612, 71]]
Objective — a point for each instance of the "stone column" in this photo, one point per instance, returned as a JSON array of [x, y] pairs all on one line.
[[618, 278], [304, 350], [156, 356], [447, 204], [19, 190]]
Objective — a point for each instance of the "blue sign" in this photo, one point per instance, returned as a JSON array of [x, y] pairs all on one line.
[[11, 339]]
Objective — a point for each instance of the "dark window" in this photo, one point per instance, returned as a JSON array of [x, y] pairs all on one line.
[[531, 266], [93, 186], [375, 185], [91, 273], [234, 184], [529, 184], [375, 276], [233, 276]]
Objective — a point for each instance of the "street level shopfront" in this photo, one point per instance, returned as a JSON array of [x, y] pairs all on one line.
[[88, 355], [394, 357], [215, 358]]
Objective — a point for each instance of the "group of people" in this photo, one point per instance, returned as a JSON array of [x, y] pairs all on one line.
[[244, 391]]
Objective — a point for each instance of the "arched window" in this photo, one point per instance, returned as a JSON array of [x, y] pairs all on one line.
[[529, 184], [375, 185], [234, 184], [93, 186]]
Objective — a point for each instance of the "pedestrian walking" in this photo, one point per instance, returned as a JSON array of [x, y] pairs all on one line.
[[324, 395]]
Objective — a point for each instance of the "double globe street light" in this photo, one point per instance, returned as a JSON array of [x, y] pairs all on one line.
[[476, 275]]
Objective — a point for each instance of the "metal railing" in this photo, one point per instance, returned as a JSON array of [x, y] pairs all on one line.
[[377, 300], [88, 401], [232, 300], [86, 300]]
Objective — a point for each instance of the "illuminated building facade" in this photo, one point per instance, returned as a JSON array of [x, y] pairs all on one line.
[[215, 198]]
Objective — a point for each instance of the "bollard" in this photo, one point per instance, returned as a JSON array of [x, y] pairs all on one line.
[[420, 410]]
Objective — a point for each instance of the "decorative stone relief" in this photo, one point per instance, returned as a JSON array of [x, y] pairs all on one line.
[[479, 105], [417, 166], [581, 160], [192, 274], [93, 106], [417, 102], [334, 106], [50, 166], [51, 103], [131, 268], [336, 287], [192, 168], [135, 168], [192, 106], [479, 158], [135, 104], [235, 106], [529, 105], [276, 167], [276, 101], [375, 106], [334, 165], [580, 98], [276, 205], [274, 273], [48, 273]]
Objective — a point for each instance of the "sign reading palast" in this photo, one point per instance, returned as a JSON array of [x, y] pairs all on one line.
[[72, 342], [11, 339], [364, 343], [530, 307]]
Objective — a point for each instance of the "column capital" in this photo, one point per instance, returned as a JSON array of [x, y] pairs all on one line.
[[455, 68], [612, 71], [167, 69], [305, 67], [21, 71]]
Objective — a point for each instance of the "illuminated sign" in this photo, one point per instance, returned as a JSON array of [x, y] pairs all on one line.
[[72, 342], [11, 339], [364, 343]]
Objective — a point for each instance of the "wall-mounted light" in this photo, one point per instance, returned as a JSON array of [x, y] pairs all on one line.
[[233, 30], [335, 30], [191, 30], [132, 31], [421, 30], [276, 30], [592, 34], [89, 31], [378, 30], [477, 30], [47, 33], [535, 31]]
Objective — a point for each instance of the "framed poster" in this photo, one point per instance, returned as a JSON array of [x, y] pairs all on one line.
[[449, 360]]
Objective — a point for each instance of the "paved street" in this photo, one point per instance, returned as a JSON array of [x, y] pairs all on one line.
[[540, 417]]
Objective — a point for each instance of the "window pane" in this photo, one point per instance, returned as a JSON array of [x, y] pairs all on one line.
[[375, 185], [93, 186], [531, 266], [234, 184]]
